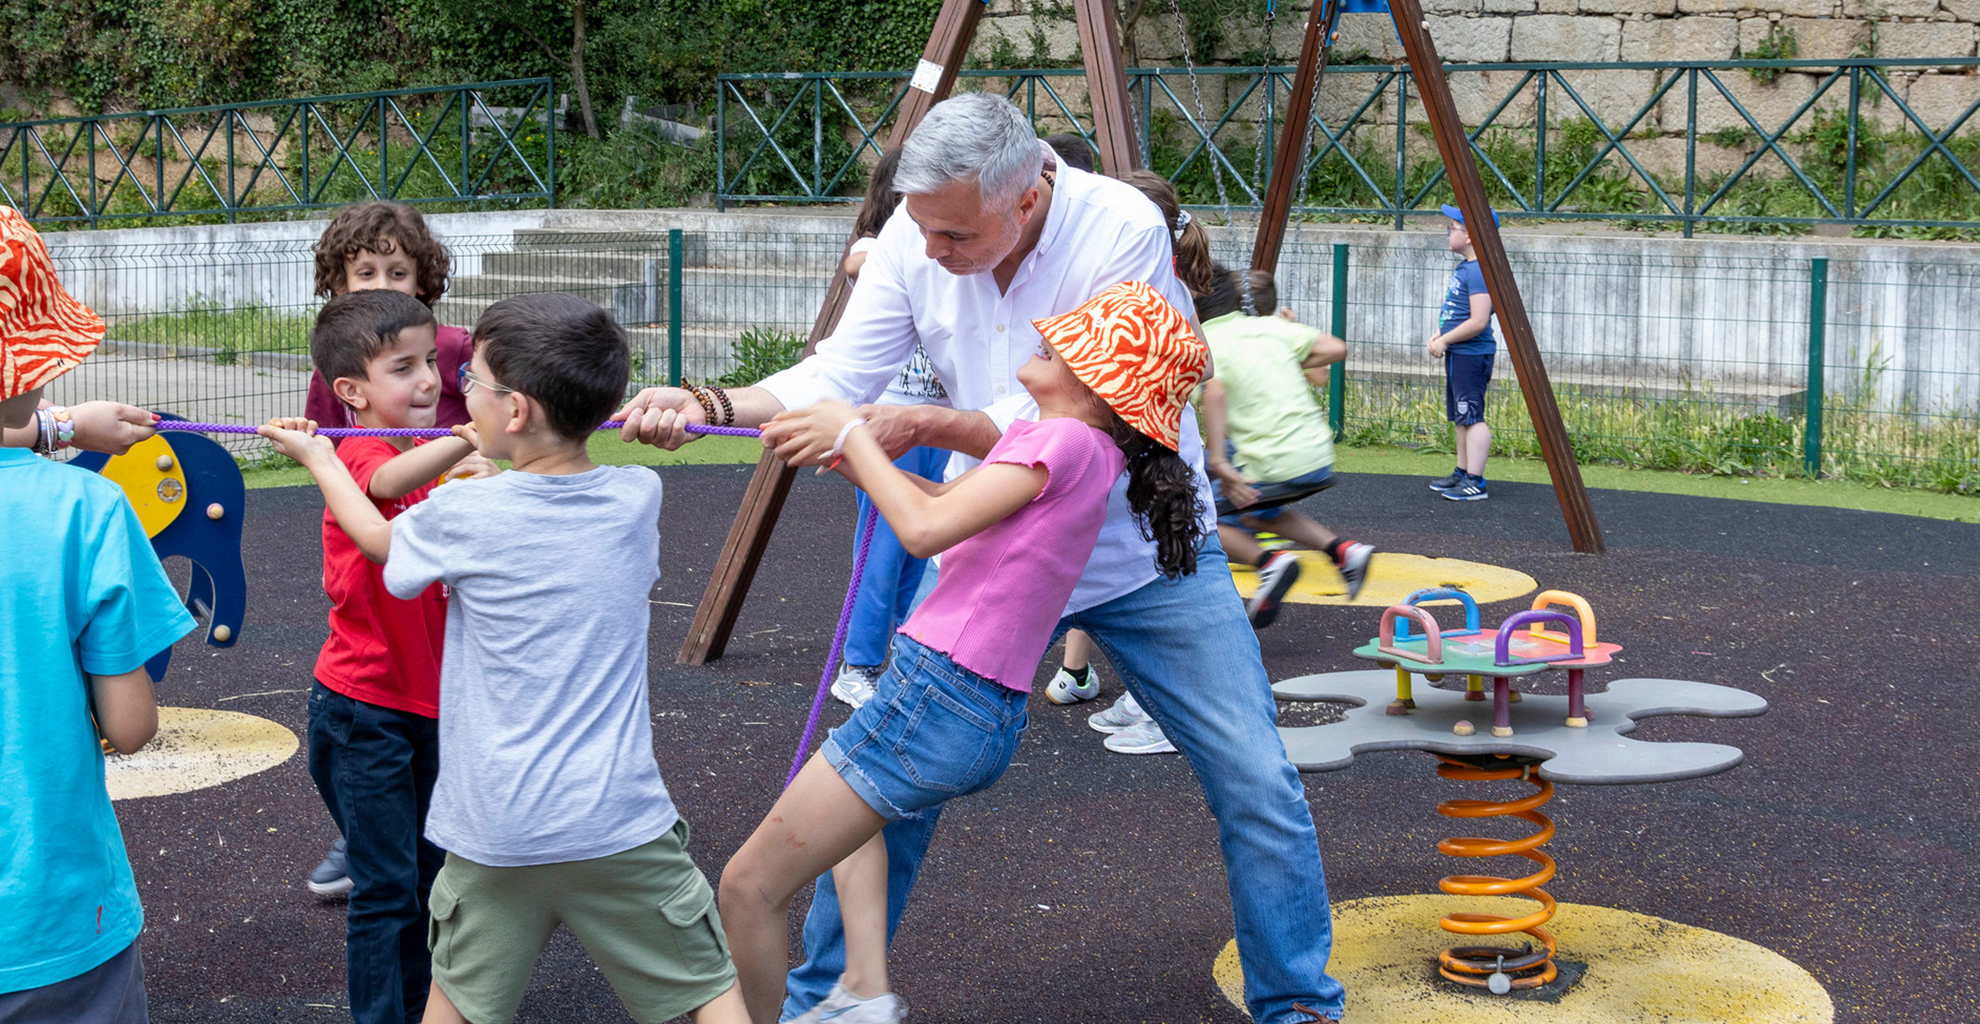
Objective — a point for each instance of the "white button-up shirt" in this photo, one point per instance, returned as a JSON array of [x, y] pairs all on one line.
[[1098, 233]]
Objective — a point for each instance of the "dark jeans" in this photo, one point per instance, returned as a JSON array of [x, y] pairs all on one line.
[[375, 768], [110, 993]]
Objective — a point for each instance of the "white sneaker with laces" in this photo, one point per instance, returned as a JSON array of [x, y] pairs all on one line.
[[1275, 578], [1354, 565], [1143, 737], [1125, 712], [842, 1007], [855, 684], [1063, 689]]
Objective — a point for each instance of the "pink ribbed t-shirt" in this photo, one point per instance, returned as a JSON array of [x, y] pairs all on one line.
[[1001, 592]]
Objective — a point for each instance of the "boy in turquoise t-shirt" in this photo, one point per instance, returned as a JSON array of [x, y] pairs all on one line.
[[1266, 443], [83, 605]]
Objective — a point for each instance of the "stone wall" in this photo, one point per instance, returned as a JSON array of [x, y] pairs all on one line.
[[1585, 31]]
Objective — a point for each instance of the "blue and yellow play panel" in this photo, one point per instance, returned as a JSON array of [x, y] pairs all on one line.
[[1393, 577], [1640, 968]]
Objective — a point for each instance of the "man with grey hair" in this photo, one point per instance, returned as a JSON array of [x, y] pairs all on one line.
[[989, 238]]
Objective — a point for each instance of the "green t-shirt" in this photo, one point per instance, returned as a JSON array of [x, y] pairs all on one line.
[[1271, 416]]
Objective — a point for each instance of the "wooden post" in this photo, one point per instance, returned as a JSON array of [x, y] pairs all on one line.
[[1280, 188], [1106, 86], [735, 568], [1455, 148]]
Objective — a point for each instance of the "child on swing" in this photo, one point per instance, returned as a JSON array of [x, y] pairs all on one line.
[[1110, 379]]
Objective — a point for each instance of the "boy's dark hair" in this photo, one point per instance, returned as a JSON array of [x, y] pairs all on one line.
[[354, 327], [384, 228], [1072, 150], [1161, 493], [1252, 292], [566, 353], [880, 196]]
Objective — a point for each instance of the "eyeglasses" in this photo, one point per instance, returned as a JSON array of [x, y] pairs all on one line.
[[469, 382]]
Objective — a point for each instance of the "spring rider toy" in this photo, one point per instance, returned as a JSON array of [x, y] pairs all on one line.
[[1535, 738], [188, 494]]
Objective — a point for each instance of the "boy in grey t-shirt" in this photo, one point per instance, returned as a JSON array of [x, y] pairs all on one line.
[[549, 800]]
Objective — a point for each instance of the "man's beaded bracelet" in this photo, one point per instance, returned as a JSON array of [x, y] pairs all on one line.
[[707, 404], [728, 410]]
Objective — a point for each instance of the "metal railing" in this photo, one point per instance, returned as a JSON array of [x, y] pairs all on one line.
[[1711, 361], [470, 144], [1721, 145]]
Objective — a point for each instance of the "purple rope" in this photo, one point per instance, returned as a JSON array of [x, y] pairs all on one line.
[[838, 644], [240, 428]]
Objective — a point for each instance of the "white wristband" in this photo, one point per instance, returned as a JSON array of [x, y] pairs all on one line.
[[845, 432]]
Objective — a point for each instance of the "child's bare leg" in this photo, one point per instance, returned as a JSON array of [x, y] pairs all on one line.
[[1240, 544], [1079, 651], [862, 883], [1297, 528], [726, 1008], [817, 823], [440, 1009], [1474, 443]]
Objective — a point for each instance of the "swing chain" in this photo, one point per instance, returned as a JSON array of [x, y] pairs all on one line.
[[1265, 120], [1209, 144]]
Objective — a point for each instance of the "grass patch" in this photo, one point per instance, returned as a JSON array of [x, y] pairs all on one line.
[[228, 331]]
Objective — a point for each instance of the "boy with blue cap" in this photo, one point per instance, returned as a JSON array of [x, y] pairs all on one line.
[[1466, 344]]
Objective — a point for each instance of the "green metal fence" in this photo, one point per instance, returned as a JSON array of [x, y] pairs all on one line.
[[469, 144], [1857, 367], [1722, 145]]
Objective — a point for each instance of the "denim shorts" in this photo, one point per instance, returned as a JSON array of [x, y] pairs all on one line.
[[933, 731], [1273, 496], [1465, 379]]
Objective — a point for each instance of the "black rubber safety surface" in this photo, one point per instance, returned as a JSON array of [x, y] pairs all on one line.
[[1087, 886]]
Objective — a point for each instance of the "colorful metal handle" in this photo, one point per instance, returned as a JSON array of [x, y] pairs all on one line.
[[1442, 594], [1502, 654], [1433, 652], [1581, 610]]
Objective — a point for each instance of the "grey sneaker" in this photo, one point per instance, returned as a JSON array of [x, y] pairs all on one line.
[[1064, 690], [1455, 478], [1143, 737], [842, 1007], [1470, 489], [1124, 714], [855, 684], [1354, 565], [332, 878]]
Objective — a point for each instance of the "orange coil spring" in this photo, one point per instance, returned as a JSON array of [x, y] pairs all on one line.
[[1472, 965]]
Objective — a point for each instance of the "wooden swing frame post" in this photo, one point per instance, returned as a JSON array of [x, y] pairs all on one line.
[[1455, 148], [955, 26]]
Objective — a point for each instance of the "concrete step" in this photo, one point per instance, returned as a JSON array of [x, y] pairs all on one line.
[[758, 243], [709, 296]]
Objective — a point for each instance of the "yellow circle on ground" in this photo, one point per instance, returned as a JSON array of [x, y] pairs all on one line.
[[154, 493], [1392, 578], [196, 748], [1640, 968]]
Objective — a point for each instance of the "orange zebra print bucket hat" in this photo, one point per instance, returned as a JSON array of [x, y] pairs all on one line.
[[1136, 352], [44, 331]]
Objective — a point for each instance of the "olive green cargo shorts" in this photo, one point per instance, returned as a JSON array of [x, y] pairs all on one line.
[[647, 917]]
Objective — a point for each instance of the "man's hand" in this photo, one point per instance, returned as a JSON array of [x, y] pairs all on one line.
[[110, 427], [659, 417], [1437, 346], [296, 437], [804, 437]]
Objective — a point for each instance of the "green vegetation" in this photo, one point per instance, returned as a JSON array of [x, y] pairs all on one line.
[[227, 331]]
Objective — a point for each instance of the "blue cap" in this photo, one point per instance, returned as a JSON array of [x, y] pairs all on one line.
[[1458, 215]]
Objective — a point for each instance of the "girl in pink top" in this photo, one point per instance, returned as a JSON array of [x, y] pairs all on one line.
[[947, 714]]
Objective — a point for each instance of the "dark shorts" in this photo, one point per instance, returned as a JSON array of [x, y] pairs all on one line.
[[110, 993], [1465, 380]]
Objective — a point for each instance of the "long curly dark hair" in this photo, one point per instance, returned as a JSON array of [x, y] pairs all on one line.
[[1161, 492]]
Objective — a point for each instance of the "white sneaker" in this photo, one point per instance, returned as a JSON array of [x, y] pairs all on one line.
[[1143, 737], [855, 684], [1064, 690], [1124, 714], [1354, 565], [1275, 578], [842, 1007]]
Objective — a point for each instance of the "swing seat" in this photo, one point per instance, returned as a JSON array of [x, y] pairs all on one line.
[[1271, 496]]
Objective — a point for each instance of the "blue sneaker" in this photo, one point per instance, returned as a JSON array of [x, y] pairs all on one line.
[[331, 878], [1454, 478], [1472, 489]]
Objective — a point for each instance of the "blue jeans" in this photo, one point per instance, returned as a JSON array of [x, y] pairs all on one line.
[[1187, 652], [887, 587], [375, 768]]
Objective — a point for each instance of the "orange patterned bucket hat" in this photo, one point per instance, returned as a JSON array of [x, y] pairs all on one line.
[[44, 332], [1136, 352]]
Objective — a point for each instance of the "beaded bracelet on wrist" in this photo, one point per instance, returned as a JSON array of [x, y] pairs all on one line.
[[728, 410], [707, 404]]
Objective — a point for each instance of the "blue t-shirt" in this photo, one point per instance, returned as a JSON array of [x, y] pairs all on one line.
[[1467, 280], [80, 592]]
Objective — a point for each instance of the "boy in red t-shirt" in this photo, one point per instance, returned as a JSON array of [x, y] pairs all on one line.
[[374, 745], [385, 245]]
